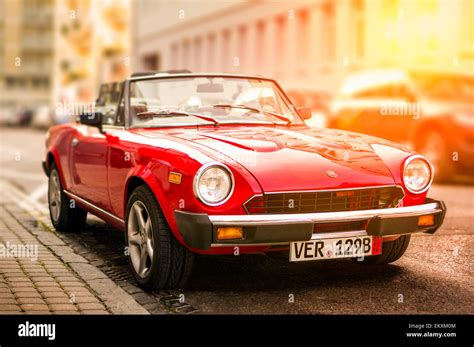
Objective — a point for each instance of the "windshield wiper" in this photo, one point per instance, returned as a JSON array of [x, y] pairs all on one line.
[[176, 113], [255, 109], [245, 107], [205, 117], [147, 114], [279, 116]]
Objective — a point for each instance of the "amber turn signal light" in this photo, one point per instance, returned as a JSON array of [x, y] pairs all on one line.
[[424, 221], [229, 233], [174, 177]]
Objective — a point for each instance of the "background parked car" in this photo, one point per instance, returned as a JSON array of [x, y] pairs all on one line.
[[430, 111], [6, 115], [22, 117], [43, 117]]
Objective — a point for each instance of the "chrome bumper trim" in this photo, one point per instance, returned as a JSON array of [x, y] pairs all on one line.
[[324, 217]]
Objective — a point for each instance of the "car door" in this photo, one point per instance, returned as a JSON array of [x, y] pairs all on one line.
[[89, 151], [120, 159]]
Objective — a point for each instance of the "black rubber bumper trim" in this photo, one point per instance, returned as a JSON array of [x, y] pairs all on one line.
[[195, 228], [198, 231], [439, 217], [386, 226]]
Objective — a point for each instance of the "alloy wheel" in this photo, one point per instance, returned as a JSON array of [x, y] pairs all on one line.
[[140, 239], [54, 195]]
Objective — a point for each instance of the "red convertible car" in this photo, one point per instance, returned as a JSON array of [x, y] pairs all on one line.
[[224, 164]]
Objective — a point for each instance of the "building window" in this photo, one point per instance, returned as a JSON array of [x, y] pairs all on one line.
[[303, 38], [174, 56], [10, 82], [151, 62], [197, 54], [226, 53], [186, 61], [211, 59], [242, 52], [280, 38], [329, 22], [359, 27], [260, 49]]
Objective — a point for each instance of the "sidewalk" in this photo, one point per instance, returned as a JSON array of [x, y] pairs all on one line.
[[40, 274]]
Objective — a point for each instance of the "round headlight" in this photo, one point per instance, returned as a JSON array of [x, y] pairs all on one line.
[[213, 184], [417, 174]]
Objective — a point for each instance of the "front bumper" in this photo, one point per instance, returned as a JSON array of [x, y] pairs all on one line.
[[199, 230]]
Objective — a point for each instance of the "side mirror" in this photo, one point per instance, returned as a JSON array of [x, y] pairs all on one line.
[[304, 112], [93, 119]]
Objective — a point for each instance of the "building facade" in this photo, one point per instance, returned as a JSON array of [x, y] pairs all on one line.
[[304, 44], [26, 52], [92, 42], [57, 51]]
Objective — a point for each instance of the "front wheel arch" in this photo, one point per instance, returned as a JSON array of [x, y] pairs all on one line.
[[149, 181], [138, 178], [52, 158], [133, 183]]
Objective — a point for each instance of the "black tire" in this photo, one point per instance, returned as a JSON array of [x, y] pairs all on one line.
[[391, 251], [71, 218], [172, 263]]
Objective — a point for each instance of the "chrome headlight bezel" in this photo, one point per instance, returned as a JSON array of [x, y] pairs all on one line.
[[407, 162], [201, 171]]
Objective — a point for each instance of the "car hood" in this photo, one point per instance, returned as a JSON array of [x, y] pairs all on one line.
[[297, 159]]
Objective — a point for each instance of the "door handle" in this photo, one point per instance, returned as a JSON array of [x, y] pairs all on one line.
[[74, 142]]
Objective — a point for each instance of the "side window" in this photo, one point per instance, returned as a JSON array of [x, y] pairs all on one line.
[[389, 91], [402, 92], [107, 102], [375, 92]]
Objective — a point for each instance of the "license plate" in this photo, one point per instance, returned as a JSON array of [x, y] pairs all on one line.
[[347, 247]]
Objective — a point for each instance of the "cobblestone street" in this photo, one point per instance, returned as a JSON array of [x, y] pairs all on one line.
[[39, 273]]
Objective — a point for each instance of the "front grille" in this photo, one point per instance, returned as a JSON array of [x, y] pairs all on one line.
[[325, 201]]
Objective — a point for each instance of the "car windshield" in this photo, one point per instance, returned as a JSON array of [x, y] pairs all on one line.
[[445, 87], [207, 100]]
